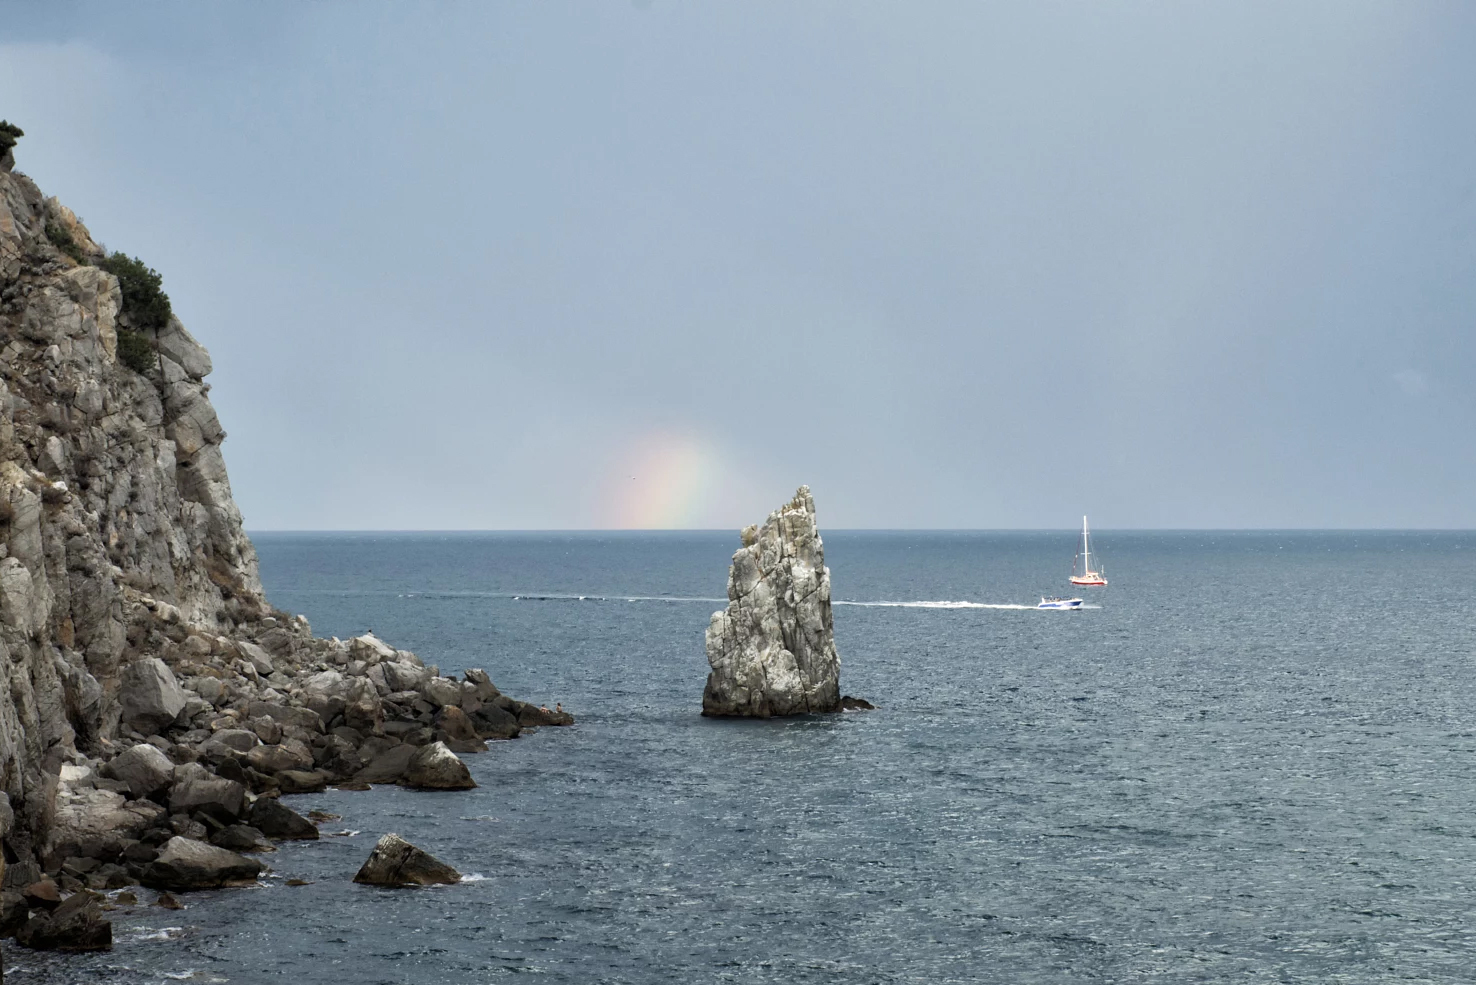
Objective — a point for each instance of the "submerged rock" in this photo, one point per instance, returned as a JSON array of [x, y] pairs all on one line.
[[772, 651], [396, 862]]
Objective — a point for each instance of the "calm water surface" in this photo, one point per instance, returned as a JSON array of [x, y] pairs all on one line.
[[1252, 763]]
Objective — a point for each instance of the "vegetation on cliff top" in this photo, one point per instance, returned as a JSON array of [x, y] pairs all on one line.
[[9, 134]]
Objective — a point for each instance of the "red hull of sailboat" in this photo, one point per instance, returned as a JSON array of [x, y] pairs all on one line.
[[1089, 581]]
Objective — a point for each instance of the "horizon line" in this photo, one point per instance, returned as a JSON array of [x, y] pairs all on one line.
[[903, 530]]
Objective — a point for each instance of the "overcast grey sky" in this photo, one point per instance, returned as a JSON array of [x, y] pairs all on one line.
[[655, 264]]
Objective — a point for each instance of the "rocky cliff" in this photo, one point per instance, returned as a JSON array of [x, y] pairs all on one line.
[[116, 517], [154, 696], [772, 651]]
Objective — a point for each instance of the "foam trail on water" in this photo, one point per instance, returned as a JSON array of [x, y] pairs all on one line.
[[944, 604], [561, 597], [607, 598], [923, 604]]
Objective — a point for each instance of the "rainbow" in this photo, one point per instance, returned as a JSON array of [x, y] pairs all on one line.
[[663, 481]]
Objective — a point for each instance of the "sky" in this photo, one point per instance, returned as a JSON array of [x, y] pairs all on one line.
[[655, 264]]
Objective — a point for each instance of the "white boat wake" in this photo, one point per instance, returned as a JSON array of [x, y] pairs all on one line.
[[933, 605], [883, 603]]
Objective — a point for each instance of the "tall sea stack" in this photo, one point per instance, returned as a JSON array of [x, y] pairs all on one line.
[[772, 651]]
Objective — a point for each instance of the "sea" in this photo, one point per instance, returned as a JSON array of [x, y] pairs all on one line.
[[1251, 758]]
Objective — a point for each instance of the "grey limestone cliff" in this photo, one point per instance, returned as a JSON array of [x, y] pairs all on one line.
[[154, 698], [772, 650]]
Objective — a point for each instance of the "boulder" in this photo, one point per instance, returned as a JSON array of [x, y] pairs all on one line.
[[76, 925], [495, 722], [404, 676], [772, 651], [276, 820], [256, 656], [96, 823], [210, 689], [241, 838], [239, 739], [363, 709], [396, 862], [302, 781], [286, 715], [485, 689], [531, 716], [19, 875], [441, 691], [228, 743], [220, 798], [455, 723], [435, 767], [42, 894], [13, 912], [150, 697], [288, 755], [388, 766], [185, 864], [266, 729], [370, 649]]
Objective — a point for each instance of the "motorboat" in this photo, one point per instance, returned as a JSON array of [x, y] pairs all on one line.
[[1056, 602]]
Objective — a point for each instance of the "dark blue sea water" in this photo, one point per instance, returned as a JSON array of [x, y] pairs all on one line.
[[1254, 762]]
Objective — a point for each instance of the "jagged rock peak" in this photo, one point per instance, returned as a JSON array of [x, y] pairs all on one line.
[[772, 651]]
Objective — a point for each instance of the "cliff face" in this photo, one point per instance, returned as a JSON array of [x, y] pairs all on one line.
[[156, 704], [772, 651], [116, 517]]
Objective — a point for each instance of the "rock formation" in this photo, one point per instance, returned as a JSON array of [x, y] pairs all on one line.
[[396, 862], [772, 651], [155, 701]]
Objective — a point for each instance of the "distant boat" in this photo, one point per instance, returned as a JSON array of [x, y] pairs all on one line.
[[1084, 559], [1056, 602]]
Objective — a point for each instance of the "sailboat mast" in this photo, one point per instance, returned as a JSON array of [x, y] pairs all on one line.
[[1086, 549]]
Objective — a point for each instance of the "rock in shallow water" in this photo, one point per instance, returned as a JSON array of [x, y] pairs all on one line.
[[435, 767], [772, 651], [276, 820], [185, 864], [396, 862], [76, 925]]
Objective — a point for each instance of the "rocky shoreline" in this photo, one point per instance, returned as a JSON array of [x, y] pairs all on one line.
[[157, 703]]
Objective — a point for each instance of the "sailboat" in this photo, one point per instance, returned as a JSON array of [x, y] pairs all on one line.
[[1084, 556]]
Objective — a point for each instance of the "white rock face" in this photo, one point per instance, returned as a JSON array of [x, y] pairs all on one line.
[[772, 651]]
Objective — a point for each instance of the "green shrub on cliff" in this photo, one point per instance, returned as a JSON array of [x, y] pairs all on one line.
[[135, 351], [9, 134], [61, 238], [145, 304]]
